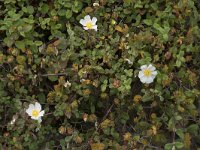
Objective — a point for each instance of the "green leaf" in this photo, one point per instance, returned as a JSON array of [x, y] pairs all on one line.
[[53, 78], [165, 37], [147, 97], [148, 22], [20, 45], [180, 133], [178, 63], [144, 61], [44, 8], [68, 14], [21, 59], [158, 27], [169, 146], [114, 133], [9, 42], [129, 72], [27, 28], [154, 6], [68, 139], [92, 108], [179, 145], [178, 118], [41, 97], [62, 12], [38, 43], [128, 2], [193, 129], [138, 4], [106, 131], [30, 9]]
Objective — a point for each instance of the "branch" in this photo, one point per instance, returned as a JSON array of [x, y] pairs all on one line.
[[108, 111], [53, 74]]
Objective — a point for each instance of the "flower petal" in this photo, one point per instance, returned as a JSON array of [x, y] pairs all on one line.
[[94, 27], [143, 67], [143, 79], [41, 113], [141, 74], [154, 73], [34, 118], [86, 28], [29, 111], [83, 22], [152, 68], [31, 106], [94, 20], [149, 80], [37, 106], [87, 18], [39, 119]]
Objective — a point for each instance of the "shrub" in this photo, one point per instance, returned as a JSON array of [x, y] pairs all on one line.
[[87, 81]]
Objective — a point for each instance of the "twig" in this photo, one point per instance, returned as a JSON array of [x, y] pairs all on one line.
[[56, 74], [48, 114], [108, 111], [174, 135]]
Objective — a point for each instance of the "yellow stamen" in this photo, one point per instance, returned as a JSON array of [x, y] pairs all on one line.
[[35, 113], [89, 25], [147, 72]]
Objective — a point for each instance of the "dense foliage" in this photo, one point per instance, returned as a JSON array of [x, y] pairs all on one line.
[[87, 81]]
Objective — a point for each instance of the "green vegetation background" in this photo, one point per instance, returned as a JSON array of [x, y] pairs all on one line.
[[43, 45]]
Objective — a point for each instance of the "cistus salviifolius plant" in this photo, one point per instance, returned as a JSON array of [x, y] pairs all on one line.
[[99, 74]]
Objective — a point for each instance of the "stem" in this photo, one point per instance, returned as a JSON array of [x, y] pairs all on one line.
[[56, 74]]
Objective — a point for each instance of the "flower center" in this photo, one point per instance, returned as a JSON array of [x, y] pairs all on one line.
[[147, 72], [35, 113], [89, 25]]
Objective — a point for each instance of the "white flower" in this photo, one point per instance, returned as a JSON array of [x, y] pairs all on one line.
[[14, 118], [13, 121], [35, 111], [128, 60], [89, 23], [67, 84], [82, 80], [147, 73], [95, 4]]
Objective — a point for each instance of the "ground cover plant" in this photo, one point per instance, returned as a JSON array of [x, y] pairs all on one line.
[[99, 74]]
